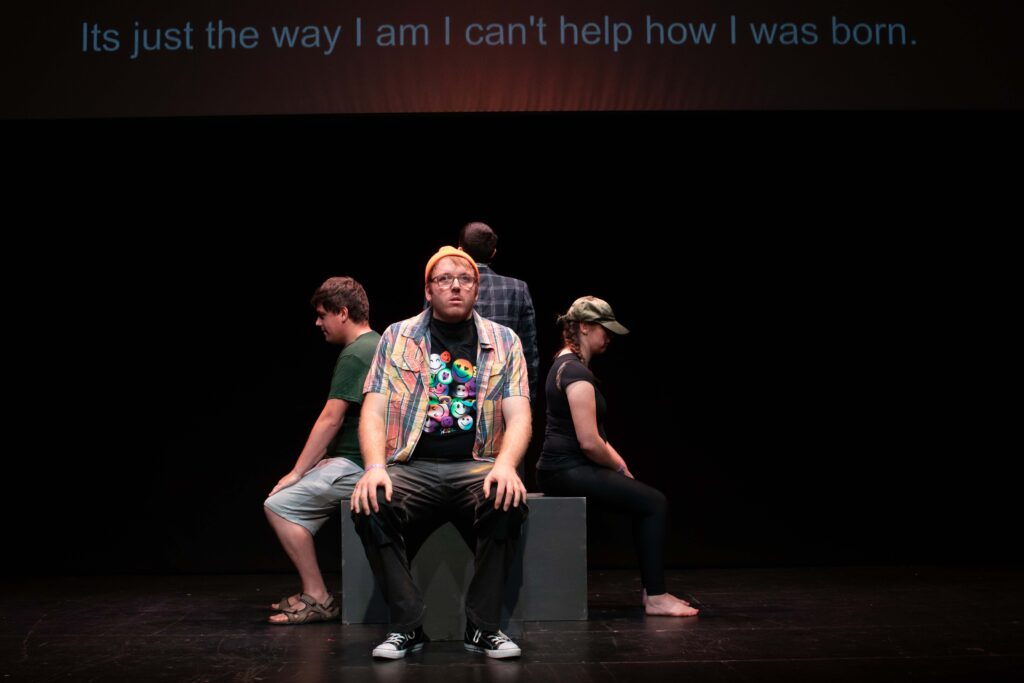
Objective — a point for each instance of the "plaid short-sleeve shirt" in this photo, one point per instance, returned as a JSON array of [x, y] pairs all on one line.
[[401, 372]]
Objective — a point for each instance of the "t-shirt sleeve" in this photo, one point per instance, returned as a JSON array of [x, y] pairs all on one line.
[[349, 374], [375, 377], [517, 383], [573, 371]]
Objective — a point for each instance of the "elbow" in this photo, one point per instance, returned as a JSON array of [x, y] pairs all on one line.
[[332, 420]]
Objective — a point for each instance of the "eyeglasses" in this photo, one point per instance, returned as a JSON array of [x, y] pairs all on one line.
[[445, 281]]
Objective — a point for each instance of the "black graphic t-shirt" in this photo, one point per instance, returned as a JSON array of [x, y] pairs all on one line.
[[450, 430]]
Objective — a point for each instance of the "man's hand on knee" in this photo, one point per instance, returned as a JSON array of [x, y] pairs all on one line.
[[509, 489], [364, 496]]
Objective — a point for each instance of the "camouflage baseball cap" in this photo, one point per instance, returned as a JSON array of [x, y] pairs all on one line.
[[590, 309]]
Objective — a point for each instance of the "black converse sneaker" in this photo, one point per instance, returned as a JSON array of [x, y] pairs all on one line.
[[397, 645], [491, 643]]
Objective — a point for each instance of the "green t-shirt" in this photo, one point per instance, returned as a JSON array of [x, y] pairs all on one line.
[[349, 376]]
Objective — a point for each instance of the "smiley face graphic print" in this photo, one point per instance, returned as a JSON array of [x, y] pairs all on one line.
[[450, 428], [452, 404]]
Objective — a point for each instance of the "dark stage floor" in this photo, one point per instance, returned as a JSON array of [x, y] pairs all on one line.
[[832, 624]]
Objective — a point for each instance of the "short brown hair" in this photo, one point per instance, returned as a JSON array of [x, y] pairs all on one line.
[[343, 292]]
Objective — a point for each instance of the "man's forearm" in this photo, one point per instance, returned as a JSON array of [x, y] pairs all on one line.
[[515, 441], [324, 430], [371, 439]]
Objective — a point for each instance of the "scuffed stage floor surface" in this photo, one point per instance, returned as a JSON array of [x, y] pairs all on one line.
[[857, 624]]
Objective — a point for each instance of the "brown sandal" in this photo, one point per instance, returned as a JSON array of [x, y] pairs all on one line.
[[282, 604], [309, 611]]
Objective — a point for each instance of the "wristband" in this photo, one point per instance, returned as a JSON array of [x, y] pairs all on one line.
[[376, 464]]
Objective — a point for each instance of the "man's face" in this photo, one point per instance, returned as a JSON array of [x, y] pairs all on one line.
[[332, 324], [454, 302]]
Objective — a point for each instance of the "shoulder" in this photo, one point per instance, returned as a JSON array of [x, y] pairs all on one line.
[[573, 368], [503, 280], [496, 331], [362, 348], [409, 327]]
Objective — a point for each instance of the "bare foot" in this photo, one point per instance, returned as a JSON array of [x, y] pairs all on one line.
[[668, 605], [643, 596]]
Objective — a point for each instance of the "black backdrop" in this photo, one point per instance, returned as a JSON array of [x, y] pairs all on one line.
[[821, 308]]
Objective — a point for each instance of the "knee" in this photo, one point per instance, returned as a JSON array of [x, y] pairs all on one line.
[[377, 528], [384, 507], [269, 512], [501, 525], [659, 503], [382, 501]]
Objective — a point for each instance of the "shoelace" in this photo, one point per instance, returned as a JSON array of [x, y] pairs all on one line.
[[398, 639], [498, 638], [495, 639]]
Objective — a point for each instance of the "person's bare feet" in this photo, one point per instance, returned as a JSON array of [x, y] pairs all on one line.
[[643, 596], [668, 605]]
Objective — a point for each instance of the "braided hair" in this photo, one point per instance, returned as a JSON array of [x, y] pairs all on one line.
[[571, 335]]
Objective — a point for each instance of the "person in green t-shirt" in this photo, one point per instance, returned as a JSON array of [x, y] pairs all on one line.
[[330, 463]]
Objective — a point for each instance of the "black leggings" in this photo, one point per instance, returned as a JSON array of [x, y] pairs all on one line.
[[618, 493]]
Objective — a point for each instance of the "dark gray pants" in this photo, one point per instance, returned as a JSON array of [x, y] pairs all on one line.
[[425, 495]]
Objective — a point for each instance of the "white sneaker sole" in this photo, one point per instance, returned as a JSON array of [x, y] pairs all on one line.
[[396, 654], [494, 654]]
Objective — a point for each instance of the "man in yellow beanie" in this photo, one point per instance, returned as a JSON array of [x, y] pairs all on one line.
[[445, 422]]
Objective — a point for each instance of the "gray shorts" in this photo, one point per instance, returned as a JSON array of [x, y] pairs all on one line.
[[311, 500]]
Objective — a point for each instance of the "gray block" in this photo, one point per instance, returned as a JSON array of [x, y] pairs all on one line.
[[547, 581]]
